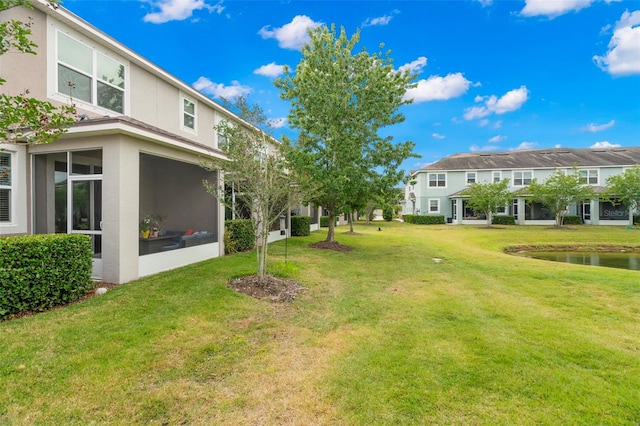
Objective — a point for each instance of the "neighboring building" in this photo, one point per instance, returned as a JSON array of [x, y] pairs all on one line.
[[438, 189], [135, 152]]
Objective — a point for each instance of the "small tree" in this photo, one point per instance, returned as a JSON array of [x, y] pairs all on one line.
[[559, 192], [24, 119], [489, 197], [625, 189], [257, 171]]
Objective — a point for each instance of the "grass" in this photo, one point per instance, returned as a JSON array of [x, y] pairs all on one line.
[[383, 335]]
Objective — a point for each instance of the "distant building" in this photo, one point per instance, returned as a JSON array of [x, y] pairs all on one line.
[[438, 189]]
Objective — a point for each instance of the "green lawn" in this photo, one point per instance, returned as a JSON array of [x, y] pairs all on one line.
[[382, 336]]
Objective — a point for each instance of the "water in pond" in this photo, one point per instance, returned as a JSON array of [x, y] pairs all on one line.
[[612, 260]]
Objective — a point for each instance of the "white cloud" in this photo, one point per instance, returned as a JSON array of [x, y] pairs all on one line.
[[605, 144], [292, 35], [178, 10], [485, 148], [483, 122], [415, 66], [593, 128], [270, 70], [497, 124], [553, 8], [277, 123], [438, 136], [497, 138], [439, 88], [525, 145], [219, 90], [485, 3], [510, 101], [381, 20], [623, 56]]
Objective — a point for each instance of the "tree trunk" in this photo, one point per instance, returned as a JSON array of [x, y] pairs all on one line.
[[351, 221], [630, 216], [332, 226], [559, 218], [489, 217]]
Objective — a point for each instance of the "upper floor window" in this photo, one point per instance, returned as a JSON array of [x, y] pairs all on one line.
[[471, 178], [437, 179], [188, 114], [522, 178], [496, 176], [88, 75], [5, 187], [588, 176]]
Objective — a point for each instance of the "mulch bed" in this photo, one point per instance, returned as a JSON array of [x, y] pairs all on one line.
[[274, 289], [334, 245]]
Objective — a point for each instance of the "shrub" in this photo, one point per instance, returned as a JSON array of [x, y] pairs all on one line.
[[424, 220], [238, 236], [503, 220], [572, 220], [324, 221], [387, 213], [38, 272], [300, 226], [636, 219]]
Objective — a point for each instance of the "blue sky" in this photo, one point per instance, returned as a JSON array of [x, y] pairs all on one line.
[[493, 75]]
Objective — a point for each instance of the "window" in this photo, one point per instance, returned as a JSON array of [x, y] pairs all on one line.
[[522, 178], [88, 75], [437, 180], [496, 176], [434, 205], [471, 178], [588, 176], [188, 114], [5, 187]]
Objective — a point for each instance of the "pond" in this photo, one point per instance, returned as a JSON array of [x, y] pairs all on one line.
[[623, 260]]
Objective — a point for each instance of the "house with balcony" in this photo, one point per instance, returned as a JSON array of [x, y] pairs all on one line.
[[439, 188], [132, 159]]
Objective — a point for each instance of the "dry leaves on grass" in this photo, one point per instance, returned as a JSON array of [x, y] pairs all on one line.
[[275, 289]]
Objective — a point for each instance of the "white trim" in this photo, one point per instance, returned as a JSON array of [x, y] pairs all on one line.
[[493, 178], [437, 180], [183, 126], [466, 177], [588, 177], [18, 195], [437, 200], [523, 171]]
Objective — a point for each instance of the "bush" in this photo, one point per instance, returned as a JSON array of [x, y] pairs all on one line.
[[238, 236], [324, 221], [38, 272], [300, 226], [424, 220], [572, 220], [503, 220], [387, 213], [636, 219]]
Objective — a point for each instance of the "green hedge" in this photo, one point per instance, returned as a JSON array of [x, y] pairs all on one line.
[[636, 219], [300, 226], [572, 220], [238, 236], [503, 220], [324, 221], [38, 272], [424, 220], [387, 213]]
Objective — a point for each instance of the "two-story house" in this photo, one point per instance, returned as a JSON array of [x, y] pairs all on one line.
[[438, 188], [135, 151]]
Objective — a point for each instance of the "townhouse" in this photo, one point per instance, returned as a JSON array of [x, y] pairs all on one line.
[[438, 188]]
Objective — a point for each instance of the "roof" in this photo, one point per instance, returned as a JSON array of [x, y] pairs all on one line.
[[538, 158]]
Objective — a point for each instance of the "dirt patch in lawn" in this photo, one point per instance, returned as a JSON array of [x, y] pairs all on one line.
[[274, 289], [334, 245]]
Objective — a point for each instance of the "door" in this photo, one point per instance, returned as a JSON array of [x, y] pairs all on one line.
[[586, 213], [85, 203]]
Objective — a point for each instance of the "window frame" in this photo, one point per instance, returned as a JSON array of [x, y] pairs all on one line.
[[467, 179], [184, 113], [8, 187], [437, 180], [96, 82], [429, 207], [588, 177], [493, 176], [522, 178]]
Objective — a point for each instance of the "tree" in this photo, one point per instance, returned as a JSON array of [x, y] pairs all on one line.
[[489, 197], [625, 189], [257, 171], [559, 192], [24, 119], [339, 102]]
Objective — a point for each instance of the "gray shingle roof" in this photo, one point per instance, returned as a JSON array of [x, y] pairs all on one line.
[[539, 158]]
